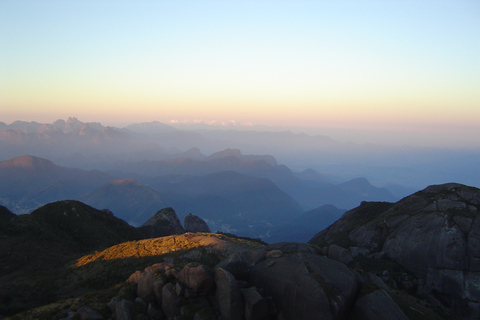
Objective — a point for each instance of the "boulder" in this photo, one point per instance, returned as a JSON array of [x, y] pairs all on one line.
[[340, 254], [240, 262], [306, 286], [228, 295], [134, 277], [124, 310], [157, 290], [193, 223], [161, 266], [145, 284], [164, 223], [170, 300], [376, 305], [256, 307], [197, 277]]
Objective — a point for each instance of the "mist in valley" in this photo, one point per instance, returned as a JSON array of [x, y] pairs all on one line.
[[247, 181]]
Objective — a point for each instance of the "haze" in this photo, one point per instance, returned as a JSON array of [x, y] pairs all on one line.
[[406, 71]]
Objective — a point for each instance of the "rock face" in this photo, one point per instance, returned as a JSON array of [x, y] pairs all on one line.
[[219, 277], [292, 282], [197, 277], [228, 295], [193, 223], [434, 234], [164, 223], [305, 286], [377, 305]]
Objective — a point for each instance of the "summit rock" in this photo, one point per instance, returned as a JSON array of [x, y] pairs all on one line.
[[164, 223], [434, 234], [193, 223]]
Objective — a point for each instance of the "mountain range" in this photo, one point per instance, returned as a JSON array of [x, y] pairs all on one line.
[[90, 145], [243, 194]]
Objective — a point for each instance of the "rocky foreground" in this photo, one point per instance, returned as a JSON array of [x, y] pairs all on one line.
[[414, 259]]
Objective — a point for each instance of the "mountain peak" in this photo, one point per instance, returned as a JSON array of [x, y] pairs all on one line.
[[28, 162], [164, 223], [72, 124]]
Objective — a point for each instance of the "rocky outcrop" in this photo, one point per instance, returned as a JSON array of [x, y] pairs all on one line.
[[433, 234], [164, 223], [193, 223], [307, 286], [197, 277], [280, 281], [220, 277]]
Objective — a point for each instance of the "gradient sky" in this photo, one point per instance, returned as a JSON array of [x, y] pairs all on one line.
[[401, 66]]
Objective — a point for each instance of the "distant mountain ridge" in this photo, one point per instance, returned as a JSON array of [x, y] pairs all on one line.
[[247, 195], [28, 182], [28, 162], [128, 199], [90, 145]]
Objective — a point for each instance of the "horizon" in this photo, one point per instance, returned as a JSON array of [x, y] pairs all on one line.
[[421, 138], [389, 73]]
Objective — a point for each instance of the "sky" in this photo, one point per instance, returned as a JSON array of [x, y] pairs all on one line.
[[361, 69]]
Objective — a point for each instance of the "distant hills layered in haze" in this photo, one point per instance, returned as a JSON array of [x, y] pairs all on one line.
[[138, 169], [237, 198], [73, 143]]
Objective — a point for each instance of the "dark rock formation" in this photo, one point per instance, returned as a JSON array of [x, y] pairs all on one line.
[[256, 306], [434, 234], [197, 277], [305, 286], [193, 223], [377, 305], [170, 300], [228, 295], [340, 254], [280, 281], [145, 283], [240, 263], [164, 223]]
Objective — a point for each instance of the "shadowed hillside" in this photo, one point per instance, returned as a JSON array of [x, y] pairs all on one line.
[[34, 248]]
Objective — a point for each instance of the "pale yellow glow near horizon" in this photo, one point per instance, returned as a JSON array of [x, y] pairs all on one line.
[[395, 66]]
